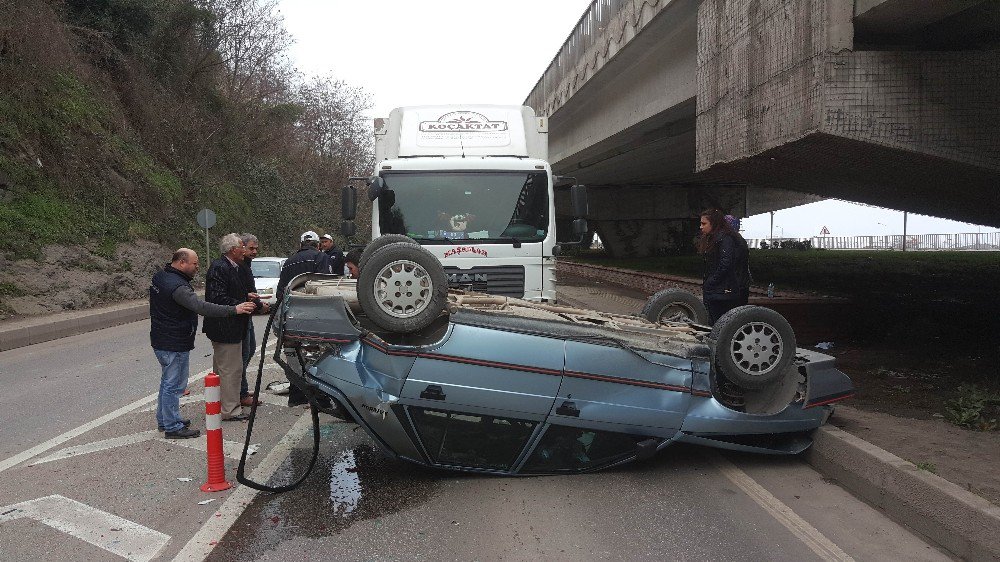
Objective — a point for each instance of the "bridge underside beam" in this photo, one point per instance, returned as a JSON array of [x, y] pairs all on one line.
[[639, 221]]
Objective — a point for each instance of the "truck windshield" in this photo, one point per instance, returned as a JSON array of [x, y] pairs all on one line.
[[444, 206]]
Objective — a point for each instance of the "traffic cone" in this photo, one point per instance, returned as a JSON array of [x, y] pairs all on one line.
[[213, 432]]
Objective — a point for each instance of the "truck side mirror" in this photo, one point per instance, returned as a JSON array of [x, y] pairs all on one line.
[[348, 202], [578, 198], [348, 228], [580, 228], [375, 187]]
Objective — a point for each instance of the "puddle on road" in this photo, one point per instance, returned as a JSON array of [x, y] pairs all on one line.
[[352, 481]]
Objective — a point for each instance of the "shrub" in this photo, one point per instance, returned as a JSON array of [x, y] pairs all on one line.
[[971, 409]]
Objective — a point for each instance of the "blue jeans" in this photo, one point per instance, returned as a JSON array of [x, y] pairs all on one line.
[[249, 347], [173, 381]]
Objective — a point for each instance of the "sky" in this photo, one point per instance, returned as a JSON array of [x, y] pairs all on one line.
[[447, 51]]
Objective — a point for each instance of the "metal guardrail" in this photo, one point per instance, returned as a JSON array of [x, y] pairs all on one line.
[[591, 24], [966, 241]]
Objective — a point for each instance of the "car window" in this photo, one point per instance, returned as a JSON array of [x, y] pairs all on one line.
[[470, 440], [569, 449], [265, 268]]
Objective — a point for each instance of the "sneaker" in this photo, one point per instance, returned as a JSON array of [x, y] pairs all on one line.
[[186, 423], [183, 433]]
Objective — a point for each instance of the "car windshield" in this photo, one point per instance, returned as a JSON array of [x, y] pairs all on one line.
[[444, 206], [265, 268]]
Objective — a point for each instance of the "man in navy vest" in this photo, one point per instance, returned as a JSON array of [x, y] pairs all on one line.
[[173, 318]]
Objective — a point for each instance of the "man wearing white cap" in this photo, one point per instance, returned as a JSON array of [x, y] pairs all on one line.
[[329, 247], [308, 259]]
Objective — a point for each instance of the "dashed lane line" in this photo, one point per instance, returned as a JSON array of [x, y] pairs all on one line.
[[19, 458], [104, 530], [231, 449], [59, 440]]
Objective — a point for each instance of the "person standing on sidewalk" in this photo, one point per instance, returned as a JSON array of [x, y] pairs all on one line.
[[173, 323], [251, 247], [224, 284], [727, 264]]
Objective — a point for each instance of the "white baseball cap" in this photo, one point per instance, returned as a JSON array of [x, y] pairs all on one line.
[[328, 237], [309, 235]]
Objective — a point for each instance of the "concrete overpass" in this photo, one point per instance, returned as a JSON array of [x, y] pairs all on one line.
[[666, 107]]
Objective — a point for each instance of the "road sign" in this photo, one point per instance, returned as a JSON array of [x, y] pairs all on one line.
[[824, 231], [206, 218]]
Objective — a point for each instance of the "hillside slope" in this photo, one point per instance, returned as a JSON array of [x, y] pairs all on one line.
[[120, 119]]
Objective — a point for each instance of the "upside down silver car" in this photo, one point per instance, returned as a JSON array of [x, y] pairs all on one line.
[[474, 382]]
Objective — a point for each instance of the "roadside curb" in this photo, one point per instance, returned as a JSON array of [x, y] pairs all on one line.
[[962, 522], [47, 328]]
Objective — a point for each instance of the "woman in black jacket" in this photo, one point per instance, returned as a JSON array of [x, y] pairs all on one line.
[[727, 268]]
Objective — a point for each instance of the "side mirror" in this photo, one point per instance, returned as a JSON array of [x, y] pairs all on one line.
[[578, 198], [375, 187], [348, 202], [580, 228], [348, 228]]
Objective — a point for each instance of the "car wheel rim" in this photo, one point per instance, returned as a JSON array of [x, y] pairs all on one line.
[[403, 289], [676, 313], [756, 348]]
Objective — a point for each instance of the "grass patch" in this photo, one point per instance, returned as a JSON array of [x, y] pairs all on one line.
[[974, 408], [927, 466], [11, 290]]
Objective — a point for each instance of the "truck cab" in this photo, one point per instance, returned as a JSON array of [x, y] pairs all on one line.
[[471, 184]]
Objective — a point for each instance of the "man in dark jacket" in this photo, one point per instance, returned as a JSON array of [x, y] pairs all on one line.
[[225, 284], [308, 259], [329, 247], [251, 246], [173, 319]]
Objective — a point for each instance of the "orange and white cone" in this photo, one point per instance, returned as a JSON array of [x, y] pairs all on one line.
[[213, 433]]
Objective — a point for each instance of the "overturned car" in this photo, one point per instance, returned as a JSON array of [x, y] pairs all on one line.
[[474, 382]]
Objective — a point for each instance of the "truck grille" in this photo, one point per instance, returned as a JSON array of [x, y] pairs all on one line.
[[506, 280]]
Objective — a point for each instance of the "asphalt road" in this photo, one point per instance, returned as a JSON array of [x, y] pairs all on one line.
[[109, 490]]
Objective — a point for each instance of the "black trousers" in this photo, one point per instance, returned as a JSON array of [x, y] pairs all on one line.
[[719, 306]]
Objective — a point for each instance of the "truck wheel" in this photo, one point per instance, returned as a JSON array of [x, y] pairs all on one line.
[[379, 243], [675, 305], [402, 288], [753, 346]]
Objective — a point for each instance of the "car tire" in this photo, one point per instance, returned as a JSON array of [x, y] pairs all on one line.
[[753, 346], [402, 288], [675, 305], [379, 243]]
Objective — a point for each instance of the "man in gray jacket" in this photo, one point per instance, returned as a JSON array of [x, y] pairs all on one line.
[[173, 318]]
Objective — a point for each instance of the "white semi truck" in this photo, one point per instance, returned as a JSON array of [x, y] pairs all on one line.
[[472, 184]]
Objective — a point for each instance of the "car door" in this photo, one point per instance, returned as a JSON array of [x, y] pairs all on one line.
[[614, 404], [476, 400], [617, 386]]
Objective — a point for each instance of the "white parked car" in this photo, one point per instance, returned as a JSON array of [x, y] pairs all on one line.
[[266, 272]]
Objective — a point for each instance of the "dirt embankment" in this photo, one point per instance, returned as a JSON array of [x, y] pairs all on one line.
[[74, 278]]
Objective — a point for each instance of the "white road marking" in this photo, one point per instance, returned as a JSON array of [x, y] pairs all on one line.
[[56, 441], [231, 449], [114, 534], [202, 543], [96, 446], [809, 535]]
